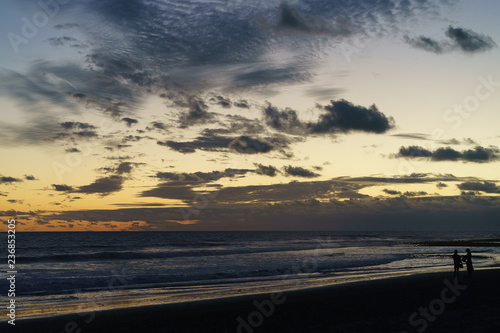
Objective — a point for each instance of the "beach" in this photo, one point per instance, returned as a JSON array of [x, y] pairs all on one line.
[[396, 304]]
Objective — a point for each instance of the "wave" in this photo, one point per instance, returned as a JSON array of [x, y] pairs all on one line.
[[148, 254]]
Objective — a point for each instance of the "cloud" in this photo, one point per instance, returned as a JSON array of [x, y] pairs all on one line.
[[199, 177], [425, 43], [247, 145], [414, 193], [292, 18], [207, 143], [461, 39], [272, 74], [159, 125], [478, 154], [86, 134], [391, 192], [485, 186], [266, 170], [29, 177], [124, 167], [339, 117], [441, 185], [222, 101], [9, 180], [283, 120], [130, 121], [197, 113], [68, 125], [66, 40], [299, 172], [470, 41], [242, 104], [103, 186], [342, 117], [62, 187], [66, 26], [412, 136], [73, 150]]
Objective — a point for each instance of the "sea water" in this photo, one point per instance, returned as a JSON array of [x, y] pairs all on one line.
[[65, 272]]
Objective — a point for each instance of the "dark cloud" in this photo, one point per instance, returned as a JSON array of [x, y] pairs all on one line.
[[470, 41], [414, 194], [462, 39], [266, 170], [208, 143], [343, 116], [485, 186], [132, 138], [441, 185], [66, 40], [258, 76], [66, 26], [242, 104], [299, 172], [73, 150], [414, 178], [322, 92], [14, 201], [412, 136], [283, 120], [197, 113], [159, 125], [414, 151], [236, 124], [62, 187], [124, 167], [222, 101], [391, 192], [130, 121], [424, 43], [77, 125], [9, 180], [200, 177], [248, 145], [340, 117], [446, 154], [29, 177], [103, 186], [478, 154], [86, 134], [292, 18], [453, 141]]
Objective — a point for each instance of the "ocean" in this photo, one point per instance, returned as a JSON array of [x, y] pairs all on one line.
[[67, 272]]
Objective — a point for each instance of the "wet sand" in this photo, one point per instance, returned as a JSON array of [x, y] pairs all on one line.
[[416, 303]]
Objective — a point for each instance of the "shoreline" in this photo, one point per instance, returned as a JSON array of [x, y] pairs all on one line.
[[370, 304], [97, 302]]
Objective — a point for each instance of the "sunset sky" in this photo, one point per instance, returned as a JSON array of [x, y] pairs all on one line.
[[250, 115]]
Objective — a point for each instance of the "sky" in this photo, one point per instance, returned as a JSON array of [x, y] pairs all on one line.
[[249, 115]]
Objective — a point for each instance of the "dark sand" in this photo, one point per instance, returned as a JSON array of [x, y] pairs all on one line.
[[383, 305]]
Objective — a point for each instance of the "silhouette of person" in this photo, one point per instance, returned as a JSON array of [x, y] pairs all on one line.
[[468, 262], [457, 262]]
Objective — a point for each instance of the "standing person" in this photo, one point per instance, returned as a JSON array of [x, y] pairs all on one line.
[[468, 262], [457, 262]]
